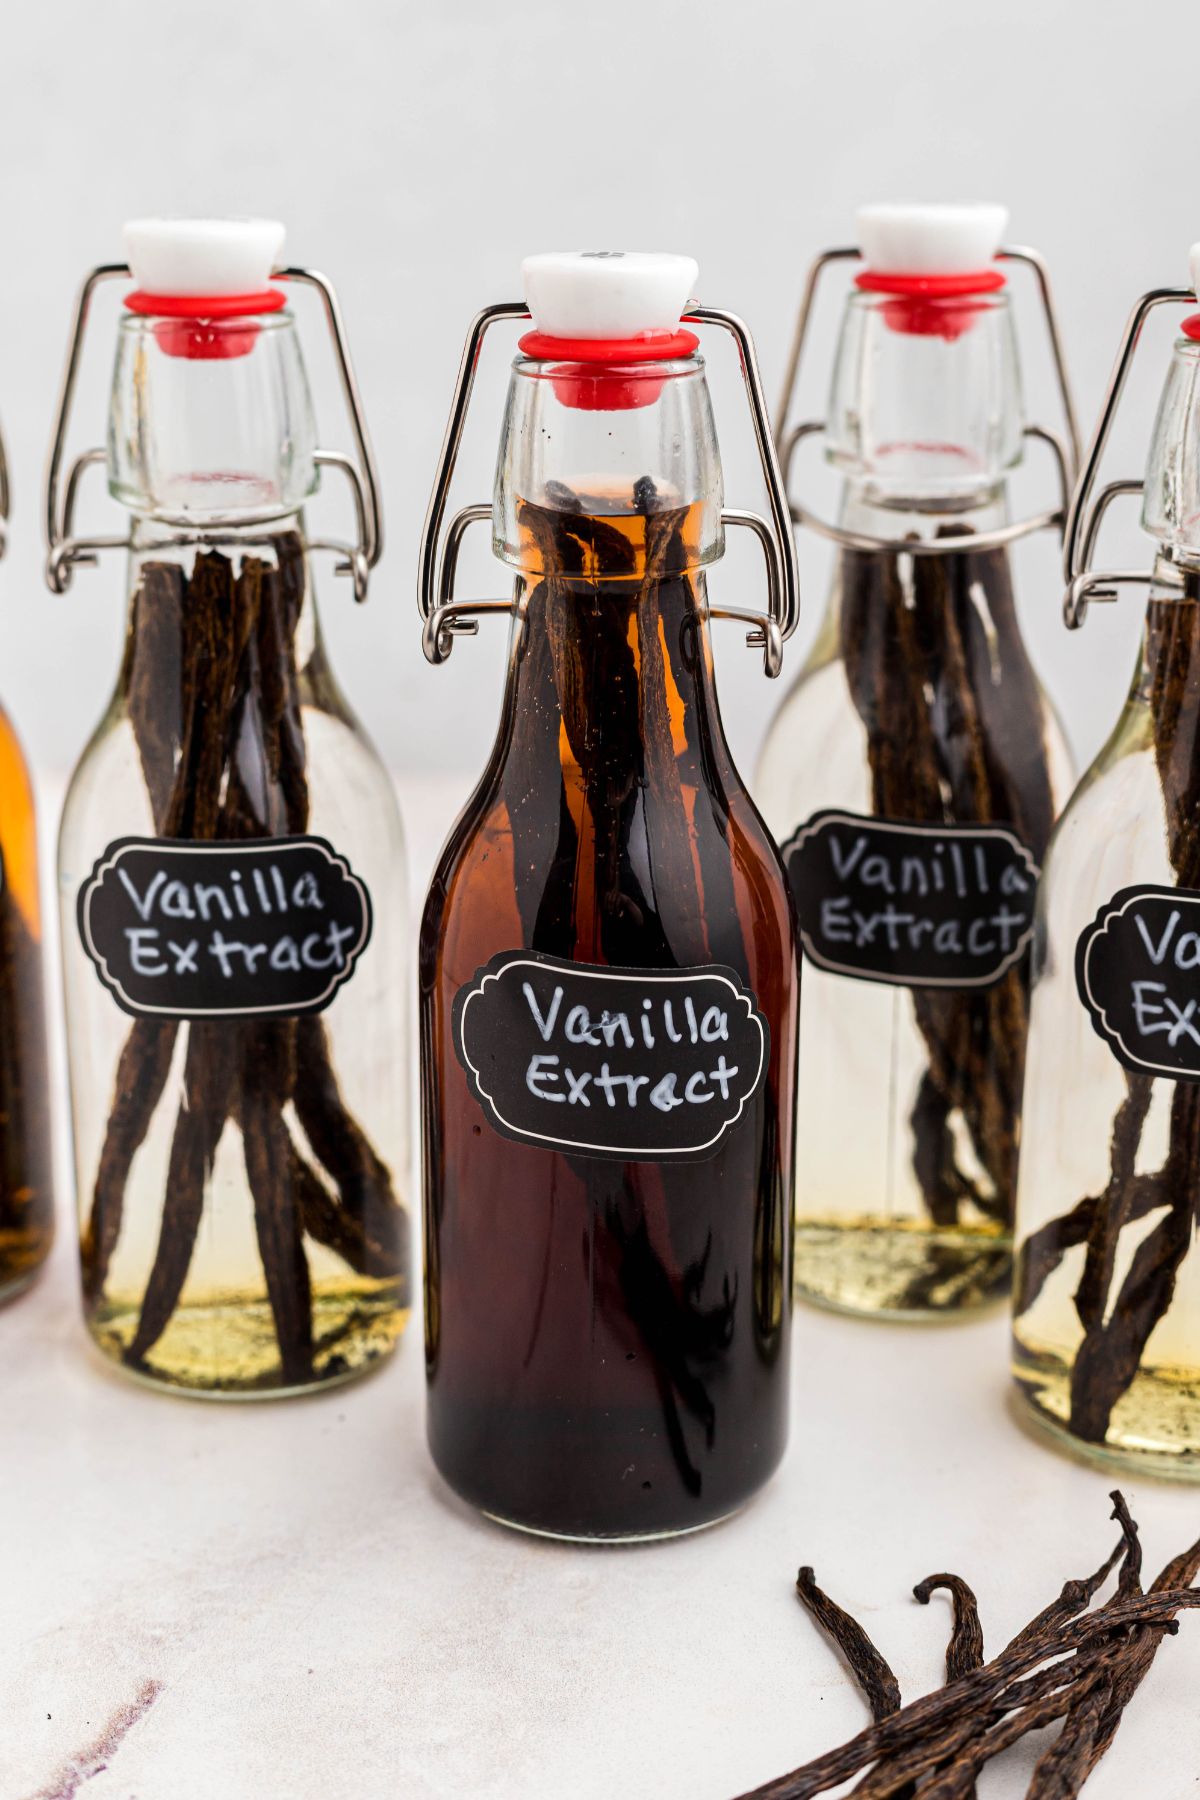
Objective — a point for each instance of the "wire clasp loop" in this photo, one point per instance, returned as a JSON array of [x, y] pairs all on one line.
[[1086, 515], [1065, 452], [65, 552], [444, 617]]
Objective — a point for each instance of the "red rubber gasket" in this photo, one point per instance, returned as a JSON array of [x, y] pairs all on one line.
[[933, 287], [651, 346], [205, 306]]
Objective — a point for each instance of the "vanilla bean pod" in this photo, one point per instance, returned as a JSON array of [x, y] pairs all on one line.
[[157, 688], [1131, 1194], [1082, 1667], [207, 1092], [215, 708], [949, 1743], [1117, 1330], [957, 1780], [267, 1060], [217, 627], [1179, 1573], [964, 1652], [331, 1220], [947, 740], [368, 1228], [266, 1075], [142, 1070], [868, 1667]]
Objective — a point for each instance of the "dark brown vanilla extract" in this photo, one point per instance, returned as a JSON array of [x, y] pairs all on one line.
[[607, 1338]]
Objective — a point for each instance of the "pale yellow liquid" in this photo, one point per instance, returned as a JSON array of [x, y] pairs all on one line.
[[905, 1269], [224, 1343]]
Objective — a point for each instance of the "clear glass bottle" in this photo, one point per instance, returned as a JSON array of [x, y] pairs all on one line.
[[232, 882], [607, 1237], [1106, 1330], [916, 720]]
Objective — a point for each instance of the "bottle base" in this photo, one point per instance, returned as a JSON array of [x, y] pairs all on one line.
[[598, 1539], [23, 1255], [1154, 1419], [226, 1349], [911, 1273], [619, 1477], [14, 1285]]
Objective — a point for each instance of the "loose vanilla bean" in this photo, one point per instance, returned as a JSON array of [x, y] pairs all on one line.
[[964, 1652], [870, 1669], [1080, 1667]]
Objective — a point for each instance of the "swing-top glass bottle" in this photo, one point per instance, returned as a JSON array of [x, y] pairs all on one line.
[[608, 973], [912, 775], [1106, 1328], [231, 867]]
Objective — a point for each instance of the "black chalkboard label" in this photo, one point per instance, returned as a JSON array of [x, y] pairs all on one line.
[[1137, 968], [200, 931], [649, 1065], [913, 904]]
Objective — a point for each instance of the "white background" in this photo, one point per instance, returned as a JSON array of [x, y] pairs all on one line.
[[316, 1616], [417, 152]]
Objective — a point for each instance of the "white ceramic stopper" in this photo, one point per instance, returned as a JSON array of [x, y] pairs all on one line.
[[607, 293], [929, 240], [1194, 266], [203, 256]]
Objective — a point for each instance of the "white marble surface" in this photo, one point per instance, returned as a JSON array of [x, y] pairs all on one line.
[[281, 1602]]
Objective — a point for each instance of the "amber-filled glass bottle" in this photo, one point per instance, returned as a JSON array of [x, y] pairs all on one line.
[[231, 867], [608, 973], [26, 1165], [912, 776]]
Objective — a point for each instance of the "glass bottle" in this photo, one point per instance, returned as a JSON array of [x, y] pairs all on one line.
[[26, 1158], [1106, 1330], [231, 866], [911, 775], [608, 967]]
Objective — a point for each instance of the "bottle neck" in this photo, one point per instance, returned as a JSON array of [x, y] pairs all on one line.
[[608, 505], [238, 564], [222, 644], [1171, 490], [1168, 663], [941, 516], [926, 405], [1164, 707], [611, 678], [224, 438], [613, 444]]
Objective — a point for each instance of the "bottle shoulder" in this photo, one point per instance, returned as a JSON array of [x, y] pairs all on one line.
[[818, 751], [350, 788], [1113, 828], [686, 884]]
